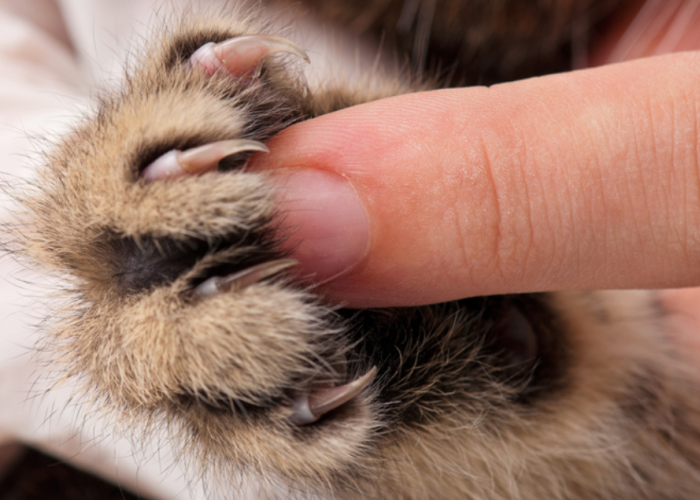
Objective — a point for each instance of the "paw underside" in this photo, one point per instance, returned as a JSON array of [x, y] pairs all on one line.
[[187, 302]]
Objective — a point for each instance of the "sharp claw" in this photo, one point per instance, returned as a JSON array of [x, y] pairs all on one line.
[[207, 157], [197, 160], [240, 55], [243, 279], [308, 408]]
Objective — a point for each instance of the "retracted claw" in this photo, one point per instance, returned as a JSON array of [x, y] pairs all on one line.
[[194, 161], [239, 56], [243, 279], [308, 408]]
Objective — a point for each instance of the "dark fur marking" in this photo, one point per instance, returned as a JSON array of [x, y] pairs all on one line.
[[140, 265], [428, 367], [641, 400], [549, 376], [272, 109], [479, 42]]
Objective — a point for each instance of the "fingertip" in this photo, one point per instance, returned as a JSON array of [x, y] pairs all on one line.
[[323, 222]]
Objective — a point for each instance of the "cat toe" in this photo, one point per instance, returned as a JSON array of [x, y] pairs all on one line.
[[240, 56], [176, 163]]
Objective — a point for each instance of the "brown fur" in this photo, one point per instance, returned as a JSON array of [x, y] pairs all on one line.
[[476, 41], [602, 408]]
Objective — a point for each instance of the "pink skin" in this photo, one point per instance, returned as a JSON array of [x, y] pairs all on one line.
[[580, 187]]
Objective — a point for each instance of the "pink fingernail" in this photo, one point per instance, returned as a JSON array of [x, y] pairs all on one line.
[[327, 226]]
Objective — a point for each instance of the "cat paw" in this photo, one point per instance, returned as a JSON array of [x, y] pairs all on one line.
[[183, 305]]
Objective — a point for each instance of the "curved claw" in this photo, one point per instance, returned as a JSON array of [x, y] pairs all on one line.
[[239, 56], [308, 408], [205, 158], [243, 279]]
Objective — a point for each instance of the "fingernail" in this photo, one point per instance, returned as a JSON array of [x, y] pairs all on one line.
[[326, 226]]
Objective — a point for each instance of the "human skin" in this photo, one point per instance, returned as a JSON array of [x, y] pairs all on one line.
[[583, 180]]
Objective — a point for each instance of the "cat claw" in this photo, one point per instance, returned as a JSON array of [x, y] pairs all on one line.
[[239, 56], [242, 279], [308, 408], [199, 160]]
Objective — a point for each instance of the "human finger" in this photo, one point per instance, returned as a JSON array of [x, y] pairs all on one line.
[[581, 180]]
